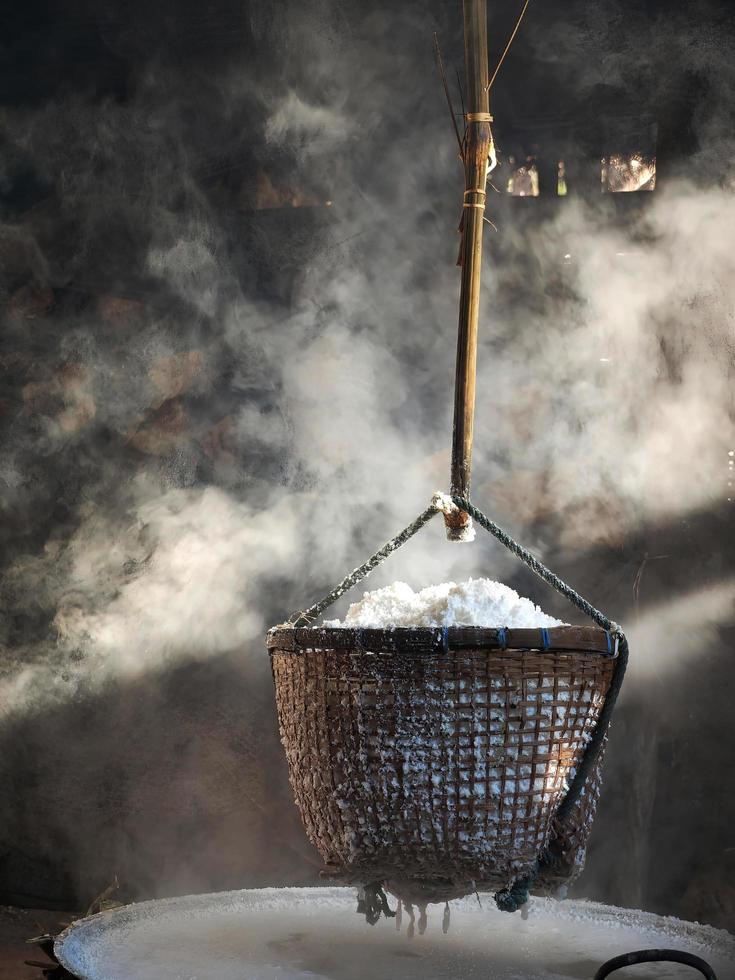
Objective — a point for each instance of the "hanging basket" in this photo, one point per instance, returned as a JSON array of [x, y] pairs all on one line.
[[435, 760]]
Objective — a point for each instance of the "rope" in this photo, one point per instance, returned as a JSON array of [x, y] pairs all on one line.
[[372, 902], [306, 617], [538, 567], [475, 190], [516, 895], [507, 47]]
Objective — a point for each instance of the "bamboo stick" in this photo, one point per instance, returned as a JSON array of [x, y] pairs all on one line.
[[476, 150]]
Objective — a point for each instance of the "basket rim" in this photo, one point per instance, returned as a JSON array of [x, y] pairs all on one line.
[[415, 639]]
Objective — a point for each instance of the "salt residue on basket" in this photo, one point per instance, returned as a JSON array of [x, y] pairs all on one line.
[[476, 602]]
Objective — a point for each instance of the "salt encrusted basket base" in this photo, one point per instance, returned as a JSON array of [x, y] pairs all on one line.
[[433, 760]]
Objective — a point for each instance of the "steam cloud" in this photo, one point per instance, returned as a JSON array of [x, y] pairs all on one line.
[[189, 457]]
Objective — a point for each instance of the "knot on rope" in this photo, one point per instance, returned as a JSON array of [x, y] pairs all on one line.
[[372, 902], [517, 894], [444, 503], [456, 519]]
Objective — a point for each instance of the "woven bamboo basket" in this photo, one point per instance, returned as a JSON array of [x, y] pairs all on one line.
[[433, 760]]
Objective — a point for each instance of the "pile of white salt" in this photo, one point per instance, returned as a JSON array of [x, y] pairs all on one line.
[[476, 602]]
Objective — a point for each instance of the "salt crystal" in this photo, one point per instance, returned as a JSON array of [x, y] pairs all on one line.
[[476, 602]]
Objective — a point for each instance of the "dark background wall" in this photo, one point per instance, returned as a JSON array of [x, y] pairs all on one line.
[[228, 295]]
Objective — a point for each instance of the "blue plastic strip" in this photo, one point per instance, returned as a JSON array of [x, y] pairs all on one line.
[[502, 639], [545, 639], [445, 639]]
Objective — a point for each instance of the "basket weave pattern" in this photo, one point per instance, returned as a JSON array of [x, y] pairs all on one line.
[[437, 754]]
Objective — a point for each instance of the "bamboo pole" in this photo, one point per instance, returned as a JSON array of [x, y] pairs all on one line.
[[476, 150]]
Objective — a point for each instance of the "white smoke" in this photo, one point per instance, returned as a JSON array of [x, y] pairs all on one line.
[[194, 590], [672, 636], [600, 405], [617, 397]]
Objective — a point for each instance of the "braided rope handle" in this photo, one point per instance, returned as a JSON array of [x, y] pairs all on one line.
[[306, 617]]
